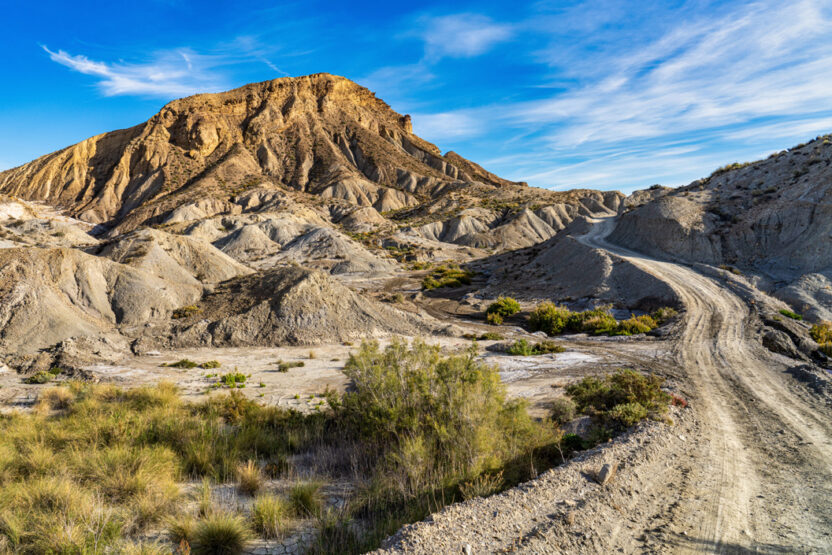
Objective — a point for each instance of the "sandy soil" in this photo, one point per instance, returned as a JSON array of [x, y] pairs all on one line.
[[536, 378]]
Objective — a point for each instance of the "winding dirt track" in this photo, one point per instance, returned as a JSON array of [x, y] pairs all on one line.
[[764, 479], [748, 470]]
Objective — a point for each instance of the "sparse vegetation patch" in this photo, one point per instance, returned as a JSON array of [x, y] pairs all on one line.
[[790, 314], [521, 347], [447, 276], [621, 399], [554, 320]]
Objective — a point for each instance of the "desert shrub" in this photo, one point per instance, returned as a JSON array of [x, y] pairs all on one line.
[[209, 364], [183, 363], [232, 379], [447, 276], [220, 533], [186, 311], [549, 318], [39, 378], [598, 321], [664, 314], [488, 336], [494, 319], [432, 418], [306, 499], [790, 314], [482, 486], [636, 324], [521, 347], [249, 478], [628, 414], [554, 320], [285, 366], [612, 398], [269, 514], [563, 410], [504, 306], [821, 332]]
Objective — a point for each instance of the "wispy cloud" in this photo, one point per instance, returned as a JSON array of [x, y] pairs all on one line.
[[171, 73], [463, 35], [447, 126], [763, 60], [719, 84]]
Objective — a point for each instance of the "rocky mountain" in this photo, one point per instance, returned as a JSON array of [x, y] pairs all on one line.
[[218, 196], [321, 136]]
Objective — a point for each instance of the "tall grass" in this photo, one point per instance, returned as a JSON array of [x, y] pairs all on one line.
[[96, 467]]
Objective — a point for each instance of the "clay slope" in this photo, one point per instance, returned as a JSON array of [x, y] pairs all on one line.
[[566, 269], [772, 217], [289, 305]]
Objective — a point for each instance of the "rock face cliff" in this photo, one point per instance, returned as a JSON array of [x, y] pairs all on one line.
[[321, 134], [772, 218]]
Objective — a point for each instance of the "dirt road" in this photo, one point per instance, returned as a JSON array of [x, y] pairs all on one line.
[[749, 471]]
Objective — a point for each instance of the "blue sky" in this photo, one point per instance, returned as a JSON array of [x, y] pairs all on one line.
[[602, 94]]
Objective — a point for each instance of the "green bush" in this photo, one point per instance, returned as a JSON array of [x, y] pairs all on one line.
[[615, 399], [184, 363], [444, 276], [488, 336], [549, 318], [598, 321], [521, 347], [628, 414], [233, 379], [822, 334], [285, 366], [39, 378], [790, 314], [553, 320], [210, 364], [432, 415], [636, 324], [563, 410], [494, 319], [504, 306]]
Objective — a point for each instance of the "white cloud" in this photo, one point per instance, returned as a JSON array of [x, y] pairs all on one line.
[[762, 60], [712, 87], [461, 35], [170, 74], [446, 126]]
